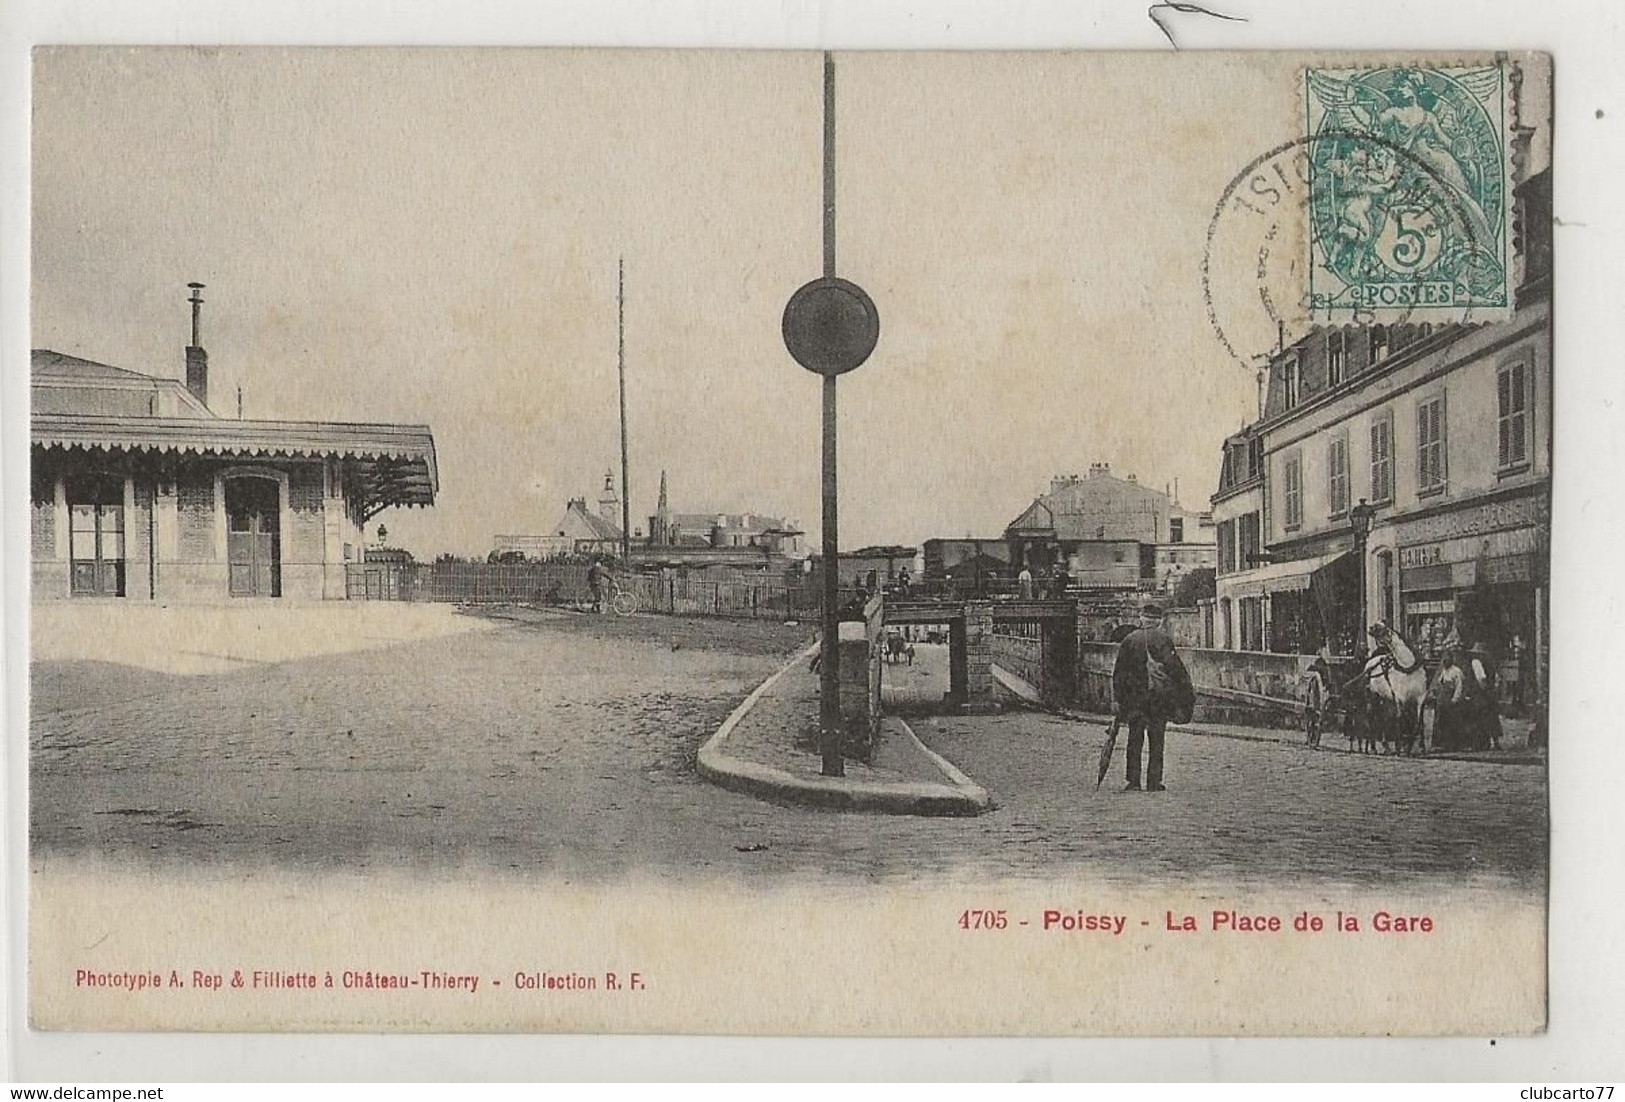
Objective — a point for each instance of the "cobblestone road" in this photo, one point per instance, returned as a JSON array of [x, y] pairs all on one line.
[[565, 745]]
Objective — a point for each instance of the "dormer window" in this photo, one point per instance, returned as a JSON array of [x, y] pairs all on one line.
[[1379, 343], [1336, 353], [1289, 380]]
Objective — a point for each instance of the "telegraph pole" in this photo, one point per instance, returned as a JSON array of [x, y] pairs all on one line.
[[620, 361], [829, 669], [830, 327]]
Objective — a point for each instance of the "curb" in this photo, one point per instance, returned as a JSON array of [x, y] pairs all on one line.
[[958, 795]]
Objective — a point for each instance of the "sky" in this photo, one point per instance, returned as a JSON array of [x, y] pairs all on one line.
[[431, 237]]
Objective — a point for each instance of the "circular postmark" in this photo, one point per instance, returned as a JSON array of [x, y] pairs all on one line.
[[1339, 226]]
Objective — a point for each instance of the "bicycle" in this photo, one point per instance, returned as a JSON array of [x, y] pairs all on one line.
[[622, 602]]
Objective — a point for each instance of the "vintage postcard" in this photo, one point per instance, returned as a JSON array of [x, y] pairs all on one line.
[[744, 542]]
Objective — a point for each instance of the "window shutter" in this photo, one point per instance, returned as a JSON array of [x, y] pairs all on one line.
[[1424, 463], [1441, 463], [1431, 445], [1504, 382], [1521, 403], [1376, 460], [1518, 427]]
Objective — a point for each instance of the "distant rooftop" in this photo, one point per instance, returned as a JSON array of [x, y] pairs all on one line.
[[48, 361]]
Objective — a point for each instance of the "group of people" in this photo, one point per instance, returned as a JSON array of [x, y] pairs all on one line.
[[1055, 585], [1464, 694], [867, 585], [1465, 697]]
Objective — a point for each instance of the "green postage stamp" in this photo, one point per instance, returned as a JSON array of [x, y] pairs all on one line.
[[1409, 170]]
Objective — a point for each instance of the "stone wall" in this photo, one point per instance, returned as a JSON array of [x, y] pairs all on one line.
[[49, 573], [304, 562], [860, 679], [194, 504], [1185, 626], [42, 529], [138, 532], [1244, 687], [979, 655], [1278, 676], [48, 579], [1022, 655]]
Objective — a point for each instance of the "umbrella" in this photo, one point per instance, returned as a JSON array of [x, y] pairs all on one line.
[[1106, 752]]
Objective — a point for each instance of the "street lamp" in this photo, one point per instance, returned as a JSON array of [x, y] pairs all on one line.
[[1360, 518]]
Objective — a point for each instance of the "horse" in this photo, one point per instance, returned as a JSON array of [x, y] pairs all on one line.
[[1356, 697], [1395, 685], [898, 649]]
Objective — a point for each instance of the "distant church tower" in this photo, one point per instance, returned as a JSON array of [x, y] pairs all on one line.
[[660, 523], [609, 505]]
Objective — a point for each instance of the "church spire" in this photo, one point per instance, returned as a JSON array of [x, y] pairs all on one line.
[[661, 508]]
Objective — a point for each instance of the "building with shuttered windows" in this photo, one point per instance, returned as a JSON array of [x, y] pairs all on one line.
[[1446, 432]]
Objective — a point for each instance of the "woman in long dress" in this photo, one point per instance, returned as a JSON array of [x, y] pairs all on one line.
[[1448, 693]]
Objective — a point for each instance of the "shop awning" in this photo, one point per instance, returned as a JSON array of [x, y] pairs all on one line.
[[1295, 576]]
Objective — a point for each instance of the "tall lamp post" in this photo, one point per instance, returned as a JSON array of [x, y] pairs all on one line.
[[830, 326], [1360, 518]]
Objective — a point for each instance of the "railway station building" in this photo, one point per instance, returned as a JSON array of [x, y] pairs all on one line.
[[141, 491]]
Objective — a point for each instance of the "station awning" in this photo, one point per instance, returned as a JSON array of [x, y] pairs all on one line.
[[1295, 576], [395, 463]]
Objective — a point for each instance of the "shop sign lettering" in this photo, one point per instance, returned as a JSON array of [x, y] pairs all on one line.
[[1418, 556], [1475, 521]]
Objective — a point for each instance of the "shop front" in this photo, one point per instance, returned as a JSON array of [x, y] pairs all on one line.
[[1479, 575], [1301, 606]]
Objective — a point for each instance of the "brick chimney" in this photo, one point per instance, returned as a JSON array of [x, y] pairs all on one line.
[[197, 360]]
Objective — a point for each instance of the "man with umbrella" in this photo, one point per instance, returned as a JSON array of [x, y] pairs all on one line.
[[1150, 686]]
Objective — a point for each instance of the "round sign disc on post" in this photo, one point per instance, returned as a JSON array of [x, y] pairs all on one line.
[[831, 326]]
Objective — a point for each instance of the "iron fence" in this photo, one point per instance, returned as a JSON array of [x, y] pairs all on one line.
[[730, 594]]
